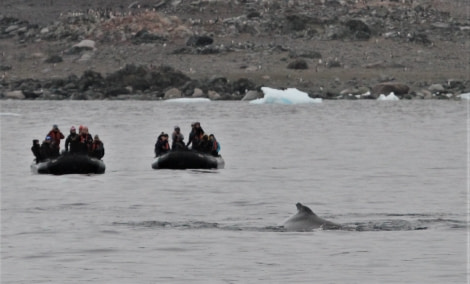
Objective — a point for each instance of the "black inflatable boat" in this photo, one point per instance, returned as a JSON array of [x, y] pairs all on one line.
[[180, 160], [69, 164]]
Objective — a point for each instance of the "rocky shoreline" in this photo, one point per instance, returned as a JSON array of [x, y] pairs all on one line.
[[228, 50]]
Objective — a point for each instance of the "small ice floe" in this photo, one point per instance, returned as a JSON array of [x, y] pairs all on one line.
[[465, 96], [288, 96], [9, 114], [390, 97], [188, 100]]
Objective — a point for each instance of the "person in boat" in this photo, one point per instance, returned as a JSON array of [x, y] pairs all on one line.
[[177, 139], [36, 149], [72, 143], [196, 136], [205, 144], [56, 135], [97, 148], [85, 141], [191, 135], [215, 145], [46, 150], [162, 146]]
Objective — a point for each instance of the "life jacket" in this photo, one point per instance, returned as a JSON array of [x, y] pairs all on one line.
[[96, 145], [215, 145], [85, 139], [56, 136]]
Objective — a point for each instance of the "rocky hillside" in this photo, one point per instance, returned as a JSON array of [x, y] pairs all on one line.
[[333, 49]]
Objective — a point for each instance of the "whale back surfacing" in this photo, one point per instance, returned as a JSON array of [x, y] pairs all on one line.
[[307, 220]]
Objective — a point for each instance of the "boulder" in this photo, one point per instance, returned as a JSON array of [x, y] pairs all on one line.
[[197, 93], [172, 93], [436, 88], [213, 95], [90, 79], [386, 88], [359, 30], [16, 95], [251, 95], [298, 64], [218, 84], [86, 44], [198, 41], [456, 84], [241, 85]]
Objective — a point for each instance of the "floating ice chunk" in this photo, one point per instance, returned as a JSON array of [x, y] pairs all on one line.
[[9, 114], [390, 97], [288, 97], [188, 100], [465, 96]]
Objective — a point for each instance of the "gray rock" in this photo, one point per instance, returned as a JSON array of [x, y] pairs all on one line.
[[213, 95], [198, 41], [251, 95], [12, 28], [197, 93], [86, 44], [16, 95], [358, 29], [354, 91], [456, 84], [172, 93], [436, 88], [298, 64], [388, 87]]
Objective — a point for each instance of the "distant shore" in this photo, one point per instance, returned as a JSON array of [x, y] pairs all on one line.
[[222, 50]]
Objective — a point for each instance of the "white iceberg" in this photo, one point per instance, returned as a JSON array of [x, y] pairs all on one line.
[[289, 96], [465, 96], [390, 97], [188, 100]]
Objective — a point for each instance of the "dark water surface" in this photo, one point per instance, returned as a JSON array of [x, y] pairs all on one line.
[[394, 173]]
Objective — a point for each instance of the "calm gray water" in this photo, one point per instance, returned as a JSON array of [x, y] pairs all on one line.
[[394, 173]]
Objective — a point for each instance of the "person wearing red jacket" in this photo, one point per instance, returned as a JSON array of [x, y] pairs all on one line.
[[85, 141], [56, 135]]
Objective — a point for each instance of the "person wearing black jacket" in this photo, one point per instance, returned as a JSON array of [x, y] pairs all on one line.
[[97, 148], [36, 149], [72, 143], [177, 139], [196, 135], [162, 146], [46, 149]]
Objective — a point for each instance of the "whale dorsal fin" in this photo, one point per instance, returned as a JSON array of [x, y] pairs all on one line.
[[302, 208]]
